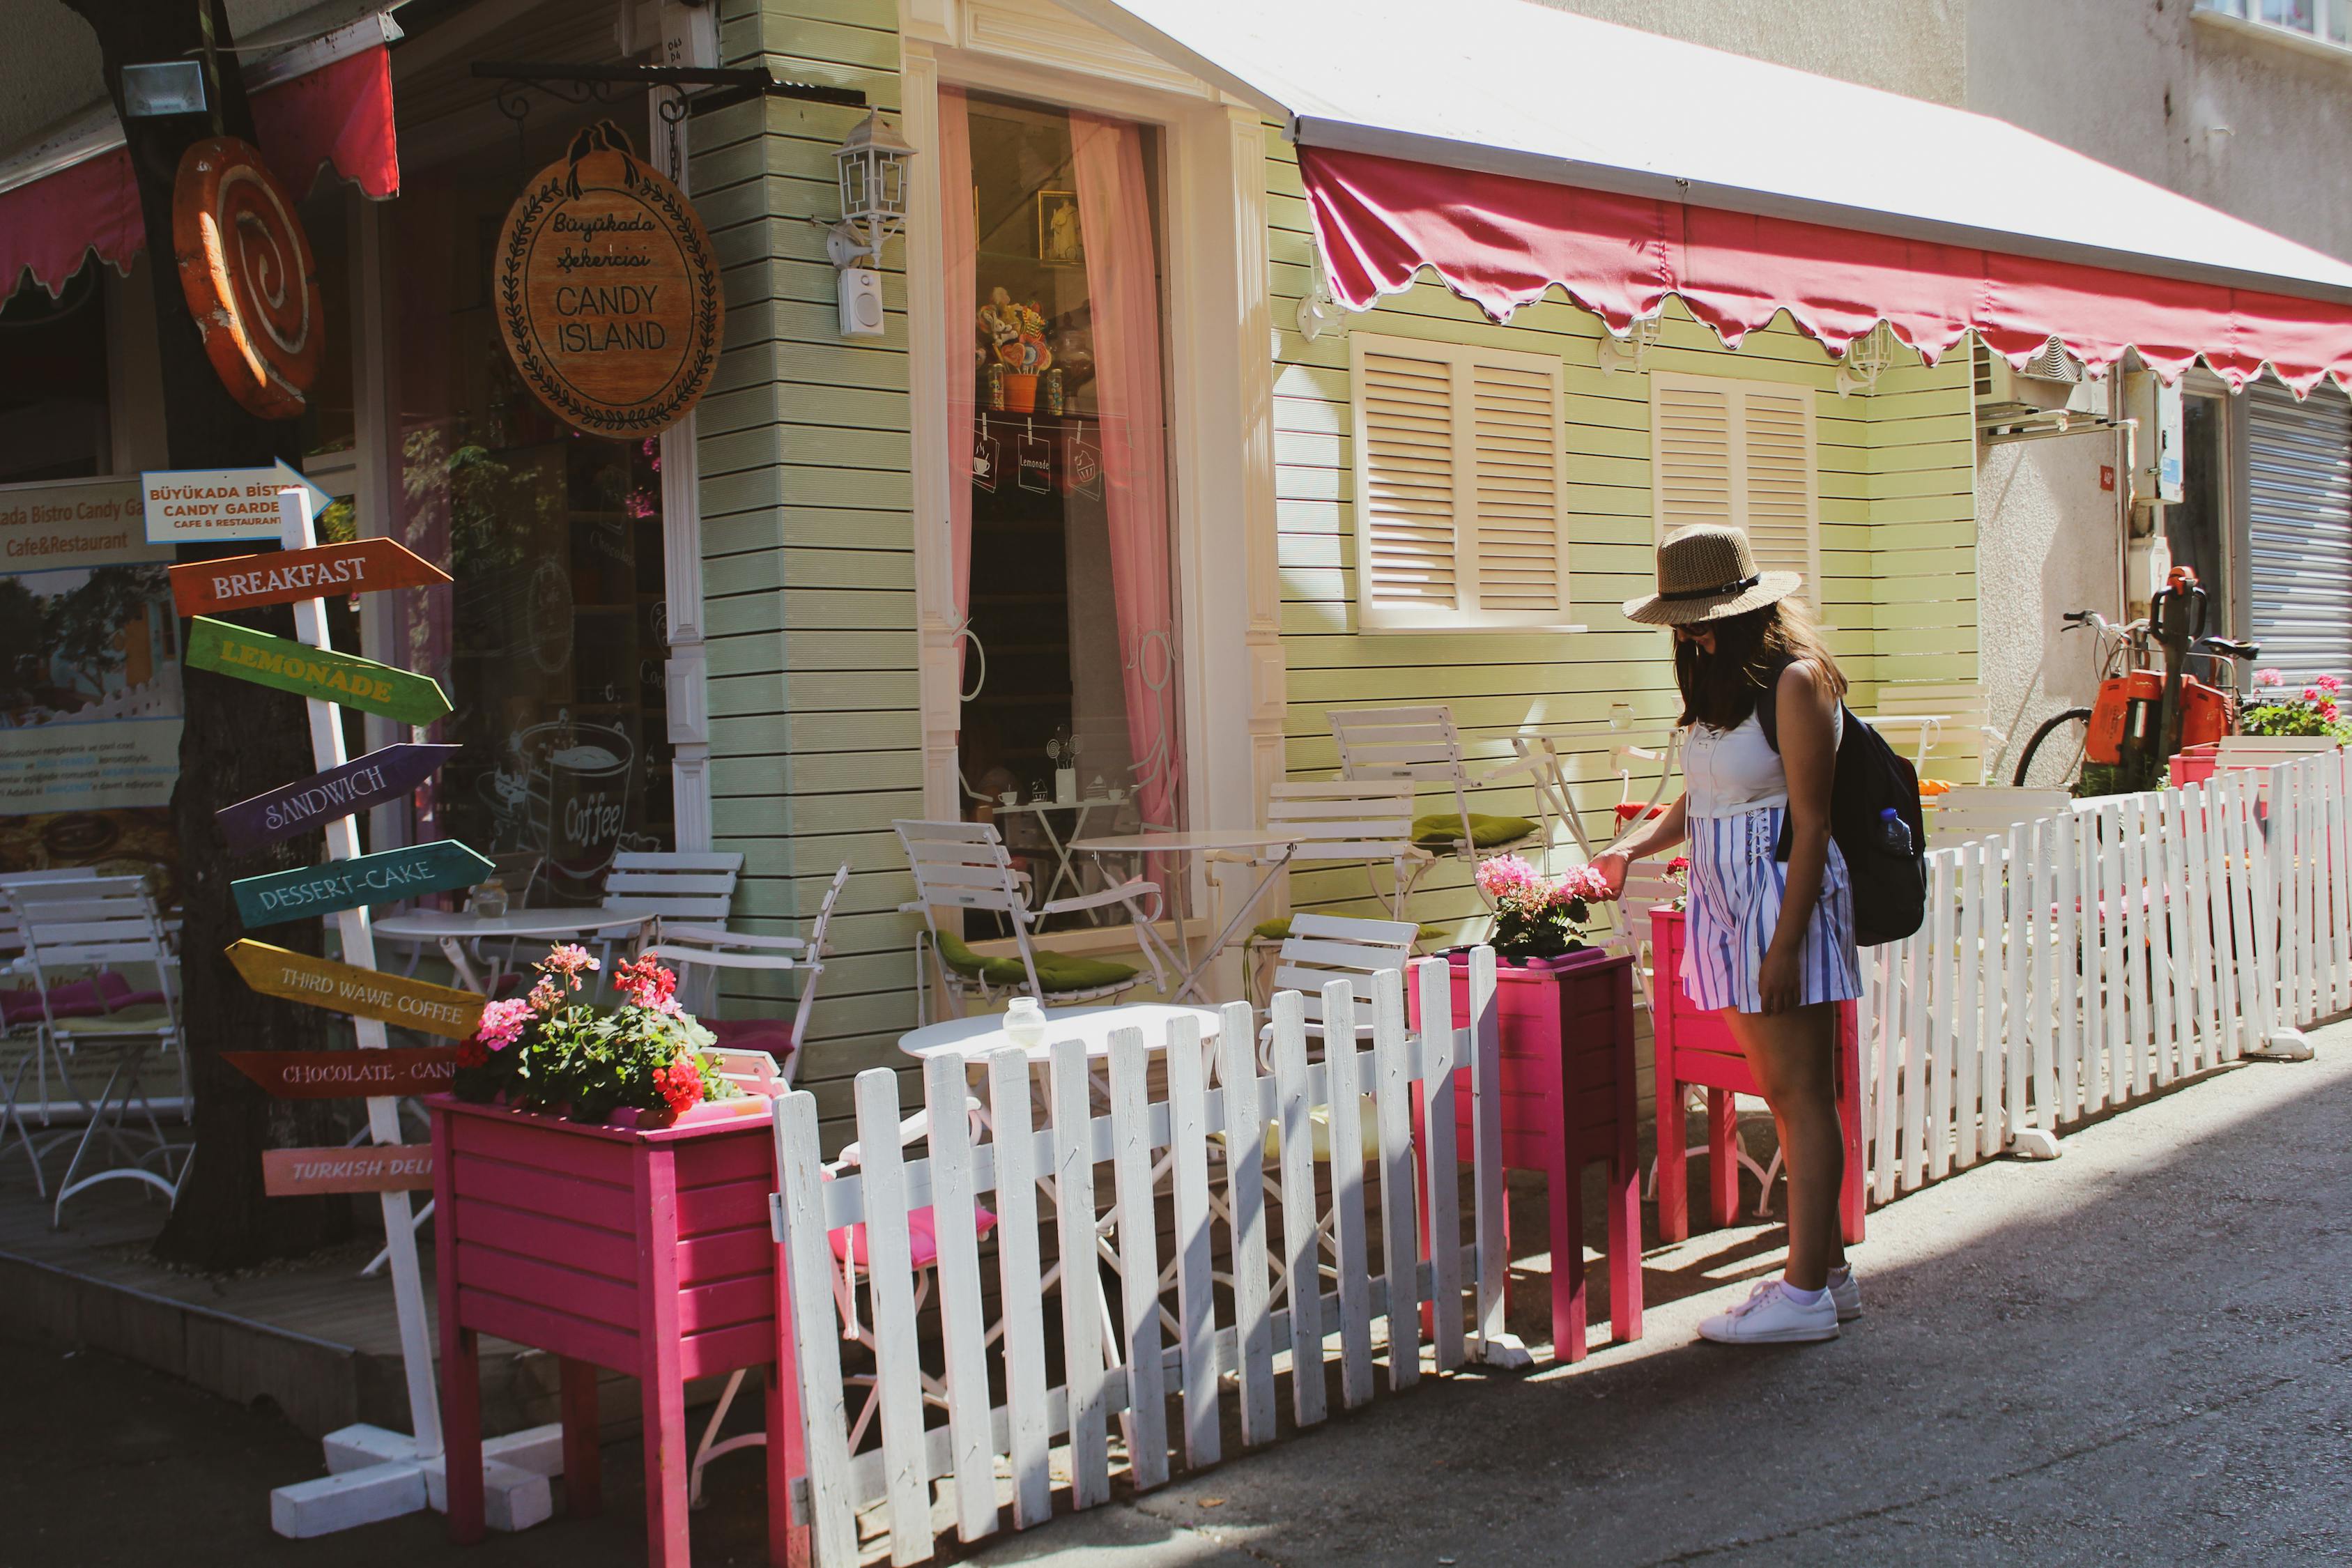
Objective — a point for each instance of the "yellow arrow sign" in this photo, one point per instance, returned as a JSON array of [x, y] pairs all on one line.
[[361, 993]]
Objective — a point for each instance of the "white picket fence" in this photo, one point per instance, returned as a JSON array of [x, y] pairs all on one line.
[[2089, 959], [1236, 1318]]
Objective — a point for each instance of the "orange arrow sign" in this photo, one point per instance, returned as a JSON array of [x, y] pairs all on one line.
[[240, 582]]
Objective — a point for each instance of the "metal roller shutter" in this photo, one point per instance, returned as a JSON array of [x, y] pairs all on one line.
[[2299, 517]]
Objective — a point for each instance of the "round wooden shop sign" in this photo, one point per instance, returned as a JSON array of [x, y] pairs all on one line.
[[248, 275], [607, 290]]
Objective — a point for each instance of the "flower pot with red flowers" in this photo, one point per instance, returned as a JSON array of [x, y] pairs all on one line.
[[601, 1194], [1565, 1022]]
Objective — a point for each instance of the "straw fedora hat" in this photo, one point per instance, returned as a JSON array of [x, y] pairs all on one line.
[[1706, 572]]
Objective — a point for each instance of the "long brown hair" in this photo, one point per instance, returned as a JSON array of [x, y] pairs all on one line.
[[1719, 689]]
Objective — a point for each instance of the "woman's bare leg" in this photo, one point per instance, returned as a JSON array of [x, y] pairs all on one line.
[[1791, 1055]]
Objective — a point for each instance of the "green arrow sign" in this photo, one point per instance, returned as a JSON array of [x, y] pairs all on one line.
[[306, 671], [365, 879]]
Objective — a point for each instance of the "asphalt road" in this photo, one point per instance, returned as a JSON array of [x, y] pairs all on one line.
[[2141, 1353]]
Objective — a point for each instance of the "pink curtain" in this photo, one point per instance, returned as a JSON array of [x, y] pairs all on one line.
[[1115, 219], [958, 246]]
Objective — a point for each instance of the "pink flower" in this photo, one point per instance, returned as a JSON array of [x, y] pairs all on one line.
[[680, 1084], [2269, 677], [1585, 882], [2328, 684], [2311, 694], [570, 960], [502, 1024], [2327, 711], [545, 997], [472, 1053], [646, 983], [1508, 879], [1679, 865]]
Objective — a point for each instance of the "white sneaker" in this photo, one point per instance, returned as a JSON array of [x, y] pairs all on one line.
[[1846, 1291], [1768, 1317]]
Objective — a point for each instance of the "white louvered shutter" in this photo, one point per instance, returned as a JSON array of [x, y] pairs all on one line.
[[1460, 467], [1742, 453]]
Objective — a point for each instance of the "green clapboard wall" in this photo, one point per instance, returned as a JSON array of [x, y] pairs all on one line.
[[1896, 475], [808, 576]]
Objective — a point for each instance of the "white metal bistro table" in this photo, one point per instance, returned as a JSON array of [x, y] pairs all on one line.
[[1065, 869], [1259, 847], [977, 1039], [461, 934]]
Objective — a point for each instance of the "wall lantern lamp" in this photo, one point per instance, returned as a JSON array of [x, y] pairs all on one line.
[[872, 164]]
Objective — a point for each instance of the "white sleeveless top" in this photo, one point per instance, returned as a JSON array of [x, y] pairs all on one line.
[[1730, 771]]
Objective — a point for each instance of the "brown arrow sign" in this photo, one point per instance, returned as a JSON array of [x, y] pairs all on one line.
[[379, 1168], [361, 993], [241, 582], [335, 1075]]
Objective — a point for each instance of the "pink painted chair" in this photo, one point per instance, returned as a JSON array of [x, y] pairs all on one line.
[[1694, 1049]]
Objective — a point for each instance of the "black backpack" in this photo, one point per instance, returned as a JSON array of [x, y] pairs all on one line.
[[1889, 877]]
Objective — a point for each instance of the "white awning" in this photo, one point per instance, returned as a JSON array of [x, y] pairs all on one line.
[[1518, 88]]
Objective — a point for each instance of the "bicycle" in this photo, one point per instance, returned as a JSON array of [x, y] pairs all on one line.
[[2143, 717]]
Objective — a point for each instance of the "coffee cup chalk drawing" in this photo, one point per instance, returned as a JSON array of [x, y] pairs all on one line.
[[607, 290]]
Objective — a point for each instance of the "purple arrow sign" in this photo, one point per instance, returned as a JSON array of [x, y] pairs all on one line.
[[379, 776]]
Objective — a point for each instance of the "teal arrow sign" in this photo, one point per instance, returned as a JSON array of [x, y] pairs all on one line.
[[367, 880]]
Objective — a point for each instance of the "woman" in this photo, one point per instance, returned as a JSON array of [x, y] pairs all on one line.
[[1768, 945]]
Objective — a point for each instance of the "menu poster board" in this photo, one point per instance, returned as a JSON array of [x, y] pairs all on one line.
[[90, 679]]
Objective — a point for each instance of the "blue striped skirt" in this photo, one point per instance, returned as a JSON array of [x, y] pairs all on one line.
[[1735, 908]]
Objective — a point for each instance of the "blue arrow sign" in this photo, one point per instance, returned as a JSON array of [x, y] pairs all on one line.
[[379, 878]]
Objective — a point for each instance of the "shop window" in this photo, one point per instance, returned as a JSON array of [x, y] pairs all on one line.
[[1739, 452], [551, 641], [1458, 471], [1060, 488], [53, 400]]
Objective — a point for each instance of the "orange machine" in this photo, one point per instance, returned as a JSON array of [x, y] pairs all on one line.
[[2128, 704]]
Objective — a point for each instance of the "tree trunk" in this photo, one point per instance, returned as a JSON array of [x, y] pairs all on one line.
[[238, 740]]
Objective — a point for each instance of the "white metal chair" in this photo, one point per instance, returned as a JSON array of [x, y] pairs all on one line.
[[683, 885], [1319, 949], [1952, 712], [963, 866], [702, 954], [1968, 812], [1420, 745], [104, 924], [1341, 821]]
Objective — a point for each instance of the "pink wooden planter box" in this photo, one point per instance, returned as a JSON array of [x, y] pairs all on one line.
[[645, 1251], [1695, 1047], [1567, 1028]]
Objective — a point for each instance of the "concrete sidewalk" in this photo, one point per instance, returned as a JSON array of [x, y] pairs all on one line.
[[2140, 1353]]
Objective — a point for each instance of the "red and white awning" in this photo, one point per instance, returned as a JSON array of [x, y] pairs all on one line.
[[324, 102], [1511, 148]]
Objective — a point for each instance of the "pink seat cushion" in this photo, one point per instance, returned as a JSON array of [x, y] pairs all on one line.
[[774, 1036], [923, 1237], [73, 999], [116, 993]]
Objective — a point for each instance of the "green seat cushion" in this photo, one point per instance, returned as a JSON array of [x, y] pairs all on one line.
[[1055, 970], [1442, 830]]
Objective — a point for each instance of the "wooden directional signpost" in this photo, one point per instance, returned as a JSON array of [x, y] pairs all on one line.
[[384, 774], [373, 1473], [243, 582], [315, 672], [355, 883]]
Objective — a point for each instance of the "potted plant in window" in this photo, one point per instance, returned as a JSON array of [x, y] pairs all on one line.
[[601, 1177], [1565, 1014]]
